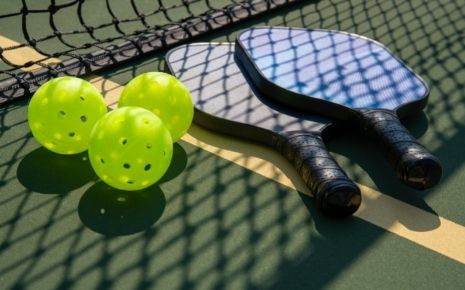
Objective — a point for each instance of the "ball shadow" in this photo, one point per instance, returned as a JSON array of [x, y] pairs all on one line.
[[46, 172], [114, 212], [178, 163]]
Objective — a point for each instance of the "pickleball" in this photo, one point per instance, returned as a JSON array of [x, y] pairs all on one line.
[[62, 113], [130, 148], [165, 96]]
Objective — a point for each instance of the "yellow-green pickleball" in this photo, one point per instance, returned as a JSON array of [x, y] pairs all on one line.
[[62, 113], [165, 96], [130, 148]]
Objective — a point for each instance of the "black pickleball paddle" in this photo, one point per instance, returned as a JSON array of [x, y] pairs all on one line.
[[345, 77], [225, 102]]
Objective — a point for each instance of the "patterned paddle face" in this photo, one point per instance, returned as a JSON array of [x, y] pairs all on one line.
[[220, 90], [226, 102], [337, 67], [346, 77]]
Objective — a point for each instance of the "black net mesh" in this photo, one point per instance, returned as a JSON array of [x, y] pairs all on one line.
[[79, 37]]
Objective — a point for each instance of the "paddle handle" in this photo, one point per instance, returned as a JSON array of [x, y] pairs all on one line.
[[335, 194], [413, 163]]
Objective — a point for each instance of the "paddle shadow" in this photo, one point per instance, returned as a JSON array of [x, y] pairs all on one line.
[[333, 246], [365, 153], [417, 124]]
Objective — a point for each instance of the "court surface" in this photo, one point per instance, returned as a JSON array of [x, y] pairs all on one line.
[[231, 214]]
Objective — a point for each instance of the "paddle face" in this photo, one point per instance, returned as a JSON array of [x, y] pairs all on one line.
[[329, 66], [346, 77], [224, 100]]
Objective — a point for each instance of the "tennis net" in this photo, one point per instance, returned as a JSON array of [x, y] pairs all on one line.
[[81, 37]]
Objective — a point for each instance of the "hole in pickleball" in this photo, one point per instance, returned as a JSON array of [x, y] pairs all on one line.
[[126, 165], [83, 118], [71, 134], [147, 167], [62, 113], [102, 161], [148, 146], [82, 98], [130, 182], [124, 141]]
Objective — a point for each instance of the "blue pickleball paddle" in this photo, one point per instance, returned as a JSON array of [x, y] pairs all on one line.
[[346, 77], [225, 102]]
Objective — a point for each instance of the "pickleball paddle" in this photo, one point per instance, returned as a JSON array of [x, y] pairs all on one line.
[[225, 102], [346, 77]]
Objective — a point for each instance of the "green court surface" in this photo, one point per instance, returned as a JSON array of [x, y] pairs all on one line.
[[215, 224]]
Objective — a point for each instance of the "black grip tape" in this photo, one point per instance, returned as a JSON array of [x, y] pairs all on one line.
[[413, 163], [335, 193]]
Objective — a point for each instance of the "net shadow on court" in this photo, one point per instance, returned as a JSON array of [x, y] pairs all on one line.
[[238, 230]]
